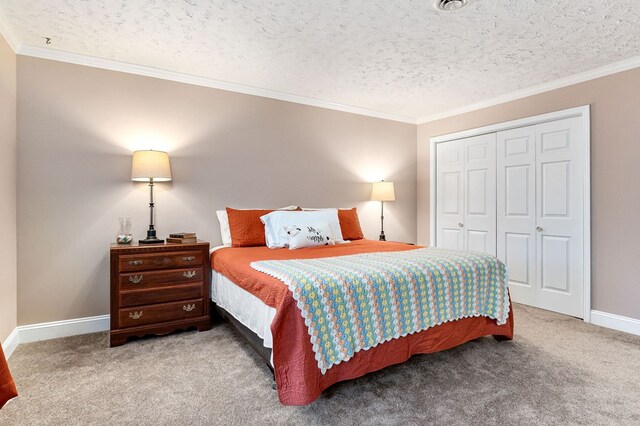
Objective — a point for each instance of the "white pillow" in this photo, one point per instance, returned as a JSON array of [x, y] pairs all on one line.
[[318, 234], [323, 208], [275, 222], [225, 232]]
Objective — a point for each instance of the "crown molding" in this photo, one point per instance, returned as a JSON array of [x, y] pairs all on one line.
[[108, 64], [604, 71], [112, 65], [8, 34]]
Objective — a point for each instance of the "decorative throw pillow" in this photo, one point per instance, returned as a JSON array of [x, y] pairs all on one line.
[[246, 228], [350, 224], [7, 386], [223, 218], [318, 234], [275, 222]]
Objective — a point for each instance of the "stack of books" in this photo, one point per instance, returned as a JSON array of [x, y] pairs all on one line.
[[183, 238]]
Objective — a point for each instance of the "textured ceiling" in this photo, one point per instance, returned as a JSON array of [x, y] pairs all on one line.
[[395, 56]]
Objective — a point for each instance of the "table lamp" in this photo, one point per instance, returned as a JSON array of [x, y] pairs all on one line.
[[382, 191], [151, 166]]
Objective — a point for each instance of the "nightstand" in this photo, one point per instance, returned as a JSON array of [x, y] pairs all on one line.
[[156, 289]]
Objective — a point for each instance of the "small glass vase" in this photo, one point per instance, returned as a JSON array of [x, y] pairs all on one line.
[[124, 234]]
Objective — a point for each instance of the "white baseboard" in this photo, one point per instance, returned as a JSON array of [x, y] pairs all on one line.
[[616, 322], [74, 327], [10, 345], [55, 329]]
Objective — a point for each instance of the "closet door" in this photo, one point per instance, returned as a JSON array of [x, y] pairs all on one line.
[[480, 194], [560, 217], [450, 194], [466, 194], [516, 211]]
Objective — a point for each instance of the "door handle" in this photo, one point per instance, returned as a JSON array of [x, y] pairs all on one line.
[[539, 228], [461, 225]]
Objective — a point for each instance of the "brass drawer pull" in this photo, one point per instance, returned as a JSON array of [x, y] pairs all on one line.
[[189, 258], [135, 262], [136, 279], [135, 315], [189, 308], [189, 274]]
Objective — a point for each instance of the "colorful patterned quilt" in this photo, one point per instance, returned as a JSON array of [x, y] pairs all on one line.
[[352, 303]]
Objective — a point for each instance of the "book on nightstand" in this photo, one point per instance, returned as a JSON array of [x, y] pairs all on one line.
[[183, 235], [183, 238]]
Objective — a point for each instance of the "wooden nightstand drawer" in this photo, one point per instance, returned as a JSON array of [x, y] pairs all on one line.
[[150, 314], [167, 294], [145, 262], [149, 279]]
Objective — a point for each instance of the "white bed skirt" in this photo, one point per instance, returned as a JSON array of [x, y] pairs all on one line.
[[244, 306]]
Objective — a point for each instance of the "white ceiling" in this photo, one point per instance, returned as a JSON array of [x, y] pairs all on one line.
[[400, 57]]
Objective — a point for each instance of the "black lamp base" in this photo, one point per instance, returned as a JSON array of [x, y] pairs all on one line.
[[151, 238], [382, 237], [151, 241]]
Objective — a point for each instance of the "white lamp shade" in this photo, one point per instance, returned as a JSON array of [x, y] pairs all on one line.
[[149, 165], [383, 191]]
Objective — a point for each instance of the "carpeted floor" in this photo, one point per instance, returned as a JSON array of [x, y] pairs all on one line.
[[557, 370]]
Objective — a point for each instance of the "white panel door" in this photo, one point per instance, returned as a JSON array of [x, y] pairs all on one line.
[[480, 194], [520, 194], [450, 195], [466, 194], [516, 211], [559, 205]]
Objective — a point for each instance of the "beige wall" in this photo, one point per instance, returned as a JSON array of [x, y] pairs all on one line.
[[8, 162], [615, 175], [77, 128]]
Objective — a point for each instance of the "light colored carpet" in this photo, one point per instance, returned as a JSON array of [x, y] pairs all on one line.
[[557, 370]]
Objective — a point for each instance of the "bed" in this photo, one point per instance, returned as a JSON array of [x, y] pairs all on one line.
[[264, 305]]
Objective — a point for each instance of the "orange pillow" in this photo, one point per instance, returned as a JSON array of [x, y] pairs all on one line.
[[247, 230], [349, 224], [7, 386]]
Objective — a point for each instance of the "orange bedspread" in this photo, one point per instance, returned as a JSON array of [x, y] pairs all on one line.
[[7, 387], [297, 375]]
